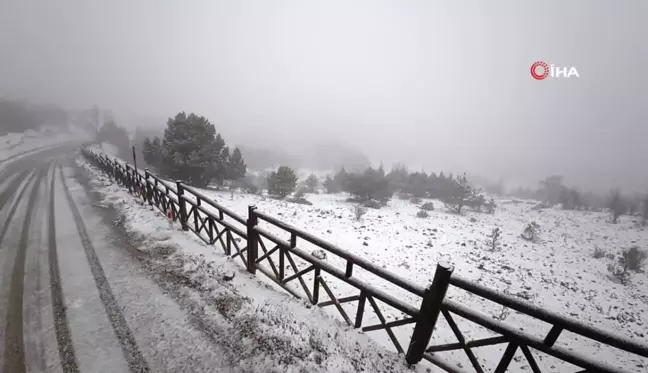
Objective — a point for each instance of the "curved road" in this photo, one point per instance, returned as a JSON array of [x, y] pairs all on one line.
[[71, 300]]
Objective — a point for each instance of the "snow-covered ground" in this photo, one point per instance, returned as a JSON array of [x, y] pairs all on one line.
[[264, 327], [12, 144], [558, 273]]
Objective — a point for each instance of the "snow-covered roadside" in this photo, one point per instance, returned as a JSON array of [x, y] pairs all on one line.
[[267, 328]]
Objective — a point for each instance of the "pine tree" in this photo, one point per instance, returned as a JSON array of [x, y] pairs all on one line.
[[342, 179], [616, 205], [460, 195], [116, 135], [152, 152], [331, 185], [191, 151], [282, 182], [236, 166], [311, 183], [222, 170]]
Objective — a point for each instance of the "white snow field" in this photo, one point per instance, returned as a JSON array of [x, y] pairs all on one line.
[[265, 329], [558, 273]]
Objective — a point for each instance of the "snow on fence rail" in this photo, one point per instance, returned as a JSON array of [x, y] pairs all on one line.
[[248, 240]]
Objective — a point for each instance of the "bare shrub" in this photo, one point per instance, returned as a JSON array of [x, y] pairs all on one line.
[[633, 258], [598, 253], [422, 214], [619, 272], [494, 239], [490, 206], [359, 212], [427, 206], [531, 232], [372, 204], [301, 201]]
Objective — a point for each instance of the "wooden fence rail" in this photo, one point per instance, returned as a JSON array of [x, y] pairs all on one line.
[[260, 249]]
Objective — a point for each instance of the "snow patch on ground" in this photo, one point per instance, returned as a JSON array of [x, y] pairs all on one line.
[[266, 328]]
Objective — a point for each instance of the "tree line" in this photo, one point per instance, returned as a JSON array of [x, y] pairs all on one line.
[[552, 191], [374, 184]]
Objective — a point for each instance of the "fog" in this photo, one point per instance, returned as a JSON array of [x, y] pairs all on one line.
[[438, 85]]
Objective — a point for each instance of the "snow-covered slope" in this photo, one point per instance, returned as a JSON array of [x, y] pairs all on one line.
[[558, 272]]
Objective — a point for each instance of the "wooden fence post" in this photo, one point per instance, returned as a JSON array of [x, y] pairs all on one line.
[[182, 206], [429, 313], [149, 191], [129, 181], [253, 240]]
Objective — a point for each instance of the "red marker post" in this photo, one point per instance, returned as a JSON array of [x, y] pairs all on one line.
[[170, 218]]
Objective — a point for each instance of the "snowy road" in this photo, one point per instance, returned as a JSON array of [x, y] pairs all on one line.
[[71, 298]]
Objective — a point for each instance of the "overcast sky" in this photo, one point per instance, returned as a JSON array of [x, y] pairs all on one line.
[[439, 84]]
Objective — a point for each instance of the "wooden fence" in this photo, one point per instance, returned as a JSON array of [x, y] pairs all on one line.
[[259, 249]]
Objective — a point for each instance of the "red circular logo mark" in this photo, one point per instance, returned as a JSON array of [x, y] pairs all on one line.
[[534, 70]]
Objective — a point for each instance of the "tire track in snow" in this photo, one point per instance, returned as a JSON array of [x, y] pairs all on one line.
[[6, 194], [14, 354], [131, 351], [61, 323], [5, 197]]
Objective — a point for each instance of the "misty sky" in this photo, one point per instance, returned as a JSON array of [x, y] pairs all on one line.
[[439, 84]]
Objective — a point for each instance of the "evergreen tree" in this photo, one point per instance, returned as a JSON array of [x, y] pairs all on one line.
[[191, 151], [342, 180], [398, 178], [237, 167], [331, 185], [616, 205], [311, 183], [116, 135], [460, 195], [152, 152], [371, 184], [417, 184], [282, 182]]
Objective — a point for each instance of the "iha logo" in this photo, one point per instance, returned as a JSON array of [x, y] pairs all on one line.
[[540, 71]]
